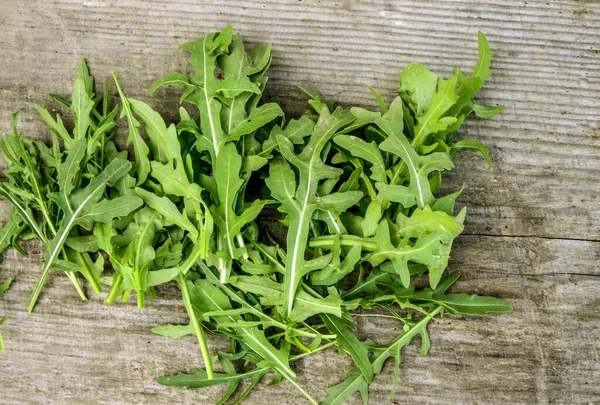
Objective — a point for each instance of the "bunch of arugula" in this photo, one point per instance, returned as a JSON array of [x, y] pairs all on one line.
[[355, 187]]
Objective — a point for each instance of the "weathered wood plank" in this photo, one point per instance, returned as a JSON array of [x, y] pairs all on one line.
[[548, 350], [545, 147]]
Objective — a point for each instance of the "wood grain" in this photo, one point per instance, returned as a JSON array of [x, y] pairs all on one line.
[[532, 237]]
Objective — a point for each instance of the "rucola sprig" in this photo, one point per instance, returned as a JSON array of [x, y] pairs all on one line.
[[357, 190]]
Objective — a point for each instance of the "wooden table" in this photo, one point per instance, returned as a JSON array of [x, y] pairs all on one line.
[[532, 234]]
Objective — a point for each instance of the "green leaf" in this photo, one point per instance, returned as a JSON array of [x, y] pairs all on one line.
[[5, 285], [57, 125], [473, 304], [419, 167], [400, 194], [486, 112], [299, 199], [174, 331], [271, 293], [201, 380], [174, 181], [348, 342], [163, 141], [88, 243], [82, 104], [369, 152], [81, 201], [168, 210], [482, 69], [446, 203], [295, 131], [10, 231], [83, 74], [203, 56], [472, 145], [418, 84], [423, 221], [342, 392], [231, 88], [227, 177], [171, 79], [107, 210], [434, 120], [337, 269], [140, 149], [429, 249], [257, 119]]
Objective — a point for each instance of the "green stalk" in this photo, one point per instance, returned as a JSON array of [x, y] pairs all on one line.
[[345, 240], [89, 276], [141, 302], [114, 291], [75, 282], [197, 326]]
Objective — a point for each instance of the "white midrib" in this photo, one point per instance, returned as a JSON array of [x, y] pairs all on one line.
[[335, 224], [297, 245], [316, 303], [207, 100], [227, 228], [416, 179], [65, 233]]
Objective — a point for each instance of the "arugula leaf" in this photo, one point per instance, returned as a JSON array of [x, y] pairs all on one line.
[[419, 167], [226, 174], [301, 200], [140, 149], [348, 342], [358, 190], [369, 152], [10, 232], [80, 202], [5, 285]]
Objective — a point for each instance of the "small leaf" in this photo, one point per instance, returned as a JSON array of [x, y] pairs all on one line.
[[174, 331], [347, 341]]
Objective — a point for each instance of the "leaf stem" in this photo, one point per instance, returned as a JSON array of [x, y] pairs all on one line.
[[89, 276], [75, 282], [376, 316], [187, 300], [141, 301], [115, 289], [345, 240], [318, 349]]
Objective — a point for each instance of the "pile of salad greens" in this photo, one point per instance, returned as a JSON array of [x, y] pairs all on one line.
[[357, 191]]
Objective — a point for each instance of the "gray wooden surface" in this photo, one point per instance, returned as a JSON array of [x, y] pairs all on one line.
[[532, 235]]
